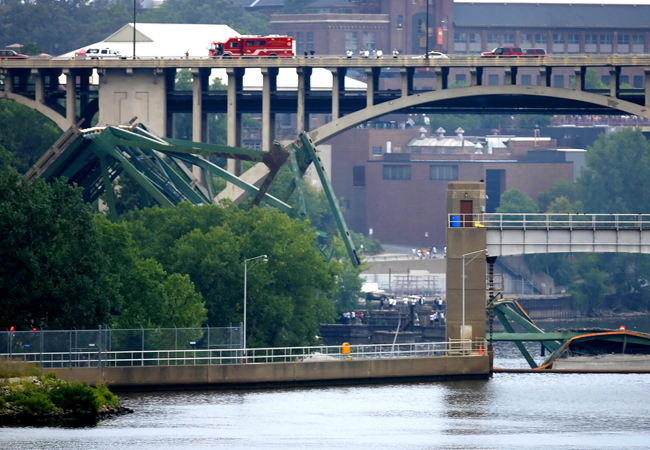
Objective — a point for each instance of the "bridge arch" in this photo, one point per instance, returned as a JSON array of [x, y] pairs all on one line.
[[338, 126], [48, 112]]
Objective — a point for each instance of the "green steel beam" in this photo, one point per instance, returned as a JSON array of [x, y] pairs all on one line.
[[56, 164], [252, 190], [523, 321], [308, 145], [105, 145], [178, 181], [522, 337], [520, 346]]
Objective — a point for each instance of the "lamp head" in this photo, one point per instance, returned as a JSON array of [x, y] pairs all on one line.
[[265, 258]]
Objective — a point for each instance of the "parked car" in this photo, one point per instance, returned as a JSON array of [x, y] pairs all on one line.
[[432, 55], [10, 54], [534, 52], [103, 53], [503, 52]]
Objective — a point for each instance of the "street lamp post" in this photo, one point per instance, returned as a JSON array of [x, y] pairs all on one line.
[[477, 252], [246, 261]]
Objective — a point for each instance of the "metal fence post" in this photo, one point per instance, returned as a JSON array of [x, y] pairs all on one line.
[[40, 346], [142, 354], [99, 356]]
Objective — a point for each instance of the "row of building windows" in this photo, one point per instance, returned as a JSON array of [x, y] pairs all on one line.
[[403, 172], [352, 41], [561, 43]]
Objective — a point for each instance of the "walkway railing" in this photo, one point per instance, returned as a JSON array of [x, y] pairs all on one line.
[[251, 356], [550, 221]]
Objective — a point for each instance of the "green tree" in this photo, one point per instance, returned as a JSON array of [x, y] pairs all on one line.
[[52, 271], [564, 189], [515, 201], [589, 291], [615, 177]]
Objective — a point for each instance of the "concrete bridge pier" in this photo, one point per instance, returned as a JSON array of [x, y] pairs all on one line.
[[71, 96], [269, 88], [338, 86], [442, 78], [372, 82], [466, 253], [124, 94], [304, 86], [407, 80]]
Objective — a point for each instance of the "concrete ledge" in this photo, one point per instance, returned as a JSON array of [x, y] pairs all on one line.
[[248, 376]]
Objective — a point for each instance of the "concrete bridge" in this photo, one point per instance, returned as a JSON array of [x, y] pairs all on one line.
[[145, 88]]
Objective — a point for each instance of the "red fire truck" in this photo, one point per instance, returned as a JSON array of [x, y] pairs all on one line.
[[273, 46]]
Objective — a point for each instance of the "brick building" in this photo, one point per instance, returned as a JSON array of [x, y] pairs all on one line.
[[397, 189]]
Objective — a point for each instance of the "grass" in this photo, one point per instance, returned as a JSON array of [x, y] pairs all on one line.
[[13, 369]]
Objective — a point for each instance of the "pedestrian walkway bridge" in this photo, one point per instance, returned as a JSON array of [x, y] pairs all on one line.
[[524, 234]]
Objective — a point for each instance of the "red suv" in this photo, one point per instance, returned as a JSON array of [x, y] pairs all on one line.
[[10, 54], [504, 52], [534, 52]]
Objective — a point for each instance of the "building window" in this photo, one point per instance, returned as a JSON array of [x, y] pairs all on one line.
[[526, 80], [345, 11], [443, 172], [351, 41], [558, 81], [606, 43], [475, 45], [300, 43], [493, 79], [461, 79], [368, 40], [525, 40], [392, 172], [508, 39], [400, 22], [638, 81], [359, 176], [460, 43], [321, 10], [605, 79], [493, 39], [638, 43], [541, 41], [376, 150], [573, 41], [623, 43], [310, 41], [591, 43], [558, 43], [538, 80], [624, 79]]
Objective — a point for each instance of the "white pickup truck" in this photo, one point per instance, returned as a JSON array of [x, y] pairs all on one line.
[[100, 53]]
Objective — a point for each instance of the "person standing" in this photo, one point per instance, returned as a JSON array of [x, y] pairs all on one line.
[[349, 54]]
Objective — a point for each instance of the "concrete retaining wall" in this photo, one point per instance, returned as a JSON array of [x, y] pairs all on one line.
[[287, 374]]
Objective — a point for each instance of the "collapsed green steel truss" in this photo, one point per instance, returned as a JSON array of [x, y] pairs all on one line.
[[581, 342], [163, 168]]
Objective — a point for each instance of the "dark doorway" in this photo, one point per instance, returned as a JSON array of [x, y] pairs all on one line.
[[466, 212], [494, 186]]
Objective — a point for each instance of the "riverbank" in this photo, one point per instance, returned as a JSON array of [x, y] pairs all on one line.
[[28, 399]]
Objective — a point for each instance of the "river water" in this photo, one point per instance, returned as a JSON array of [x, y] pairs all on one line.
[[509, 411]]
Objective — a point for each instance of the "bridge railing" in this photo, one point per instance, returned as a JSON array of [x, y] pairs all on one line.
[[250, 356], [532, 221]]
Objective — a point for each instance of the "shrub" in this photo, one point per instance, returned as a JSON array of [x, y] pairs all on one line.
[[105, 397], [10, 369], [75, 397], [33, 402]]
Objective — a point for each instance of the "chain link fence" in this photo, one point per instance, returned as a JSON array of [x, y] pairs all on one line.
[[79, 348]]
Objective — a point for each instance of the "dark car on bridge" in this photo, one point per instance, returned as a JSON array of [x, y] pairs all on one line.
[[11, 54], [503, 52]]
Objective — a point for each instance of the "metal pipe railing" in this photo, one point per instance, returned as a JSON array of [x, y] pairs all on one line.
[[550, 221]]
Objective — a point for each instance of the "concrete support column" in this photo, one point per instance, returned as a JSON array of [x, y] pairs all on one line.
[[235, 84], [304, 86], [442, 78], [338, 85], [579, 78], [39, 85], [71, 96], [407, 80], [476, 76], [510, 76], [646, 85], [614, 81], [200, 83], [9, 80], [269, 86], [169, 79], [466, 297], [546, 74], [372, 81], [84, 90]]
